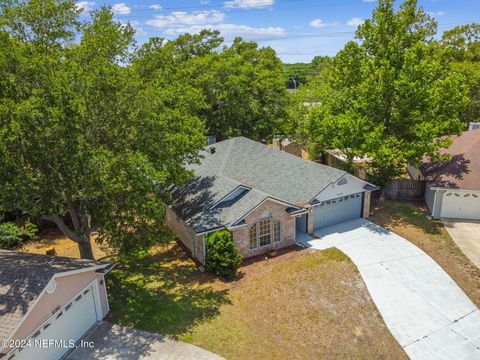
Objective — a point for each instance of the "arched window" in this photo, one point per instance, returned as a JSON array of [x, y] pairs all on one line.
[[265, 232]]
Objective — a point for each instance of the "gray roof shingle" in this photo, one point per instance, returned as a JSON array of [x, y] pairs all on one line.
[[23, 276], [242, 162]]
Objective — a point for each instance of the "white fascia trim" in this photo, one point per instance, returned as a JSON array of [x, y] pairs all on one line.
[[66, 273], [210, 230], [299, 212], [268, 198], [235, 227], [340, 178], [42, 324], [246, 188]]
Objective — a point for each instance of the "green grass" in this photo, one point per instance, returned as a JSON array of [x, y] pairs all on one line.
[[303, 304], [163, 293]]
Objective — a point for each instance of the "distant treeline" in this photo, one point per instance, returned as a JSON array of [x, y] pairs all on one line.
[[300, 73]]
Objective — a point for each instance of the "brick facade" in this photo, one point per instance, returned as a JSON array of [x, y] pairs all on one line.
[[241, 236], [366, 204], [193, 242]]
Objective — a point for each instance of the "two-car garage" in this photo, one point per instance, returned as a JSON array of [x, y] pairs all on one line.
[[337, 210]]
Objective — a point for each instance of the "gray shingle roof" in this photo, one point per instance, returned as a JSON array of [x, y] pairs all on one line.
[[23, 276], [240, 161]]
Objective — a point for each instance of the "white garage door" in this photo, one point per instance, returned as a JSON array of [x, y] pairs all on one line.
[[66, 326], [337, 210], [461, 205]]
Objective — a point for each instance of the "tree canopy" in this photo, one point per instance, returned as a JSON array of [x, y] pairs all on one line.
[[463, 43], [94, 129], [391, 94]]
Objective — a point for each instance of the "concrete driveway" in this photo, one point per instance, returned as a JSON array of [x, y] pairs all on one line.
[[423, 307], [466, 235], [113, 342]]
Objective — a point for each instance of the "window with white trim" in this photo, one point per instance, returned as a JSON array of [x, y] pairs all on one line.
[[265, 232]]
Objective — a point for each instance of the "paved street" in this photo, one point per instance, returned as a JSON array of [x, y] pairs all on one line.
[[466, 235], [113, 342]]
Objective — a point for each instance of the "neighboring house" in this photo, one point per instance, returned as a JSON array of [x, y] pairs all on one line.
[[337, 158], [266, 198], [453, 187], [48, 298], [290, 146]]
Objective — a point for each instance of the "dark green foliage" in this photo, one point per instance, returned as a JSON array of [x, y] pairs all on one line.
[[391, 95], [12, 236], [223, 257], [81, 131], [304, 72], [463, 43]]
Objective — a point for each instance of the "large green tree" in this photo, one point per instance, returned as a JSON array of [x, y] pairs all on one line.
[[84, 140], [241, 83], [391, 94], [463, 43]]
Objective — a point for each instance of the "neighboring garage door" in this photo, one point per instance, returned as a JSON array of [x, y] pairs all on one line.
[[69, 324], [461, 205], [337, 210]]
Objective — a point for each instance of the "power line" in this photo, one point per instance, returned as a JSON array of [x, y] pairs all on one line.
[[228, 10]]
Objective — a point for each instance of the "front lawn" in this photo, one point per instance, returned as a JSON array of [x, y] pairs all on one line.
[[409, 219], [304, 304]]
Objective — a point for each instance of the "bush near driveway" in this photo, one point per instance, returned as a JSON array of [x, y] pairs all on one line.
[[223, 257], [12, 236]]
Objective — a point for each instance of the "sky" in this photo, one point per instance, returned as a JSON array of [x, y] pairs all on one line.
[[298, 30]]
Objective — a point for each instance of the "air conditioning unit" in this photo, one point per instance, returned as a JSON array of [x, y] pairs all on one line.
[[473, 126]]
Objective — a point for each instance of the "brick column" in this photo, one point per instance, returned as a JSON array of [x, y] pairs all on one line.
[[366, 204], [310, 221]]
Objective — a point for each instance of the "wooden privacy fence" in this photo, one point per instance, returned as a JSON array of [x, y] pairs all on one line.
[[405, 189]]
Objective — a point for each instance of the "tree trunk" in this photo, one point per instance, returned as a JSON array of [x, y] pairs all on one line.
[[85, 247], [81, 235]]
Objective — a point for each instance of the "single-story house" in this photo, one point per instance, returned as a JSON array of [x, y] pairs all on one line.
[[266, 198], [453, 187], [290, 146], [47, 303]]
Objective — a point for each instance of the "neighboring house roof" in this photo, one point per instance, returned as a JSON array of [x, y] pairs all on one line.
[[462, 170], [23, 277], [266, 172]]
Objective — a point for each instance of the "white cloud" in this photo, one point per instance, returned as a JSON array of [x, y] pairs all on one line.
[[155, 7], [121, 9], [355, 21], [317, 23], [204, 2], [248, 4], [85, 5], [230, 31], [181, 18], [369, 1], [438, 13]]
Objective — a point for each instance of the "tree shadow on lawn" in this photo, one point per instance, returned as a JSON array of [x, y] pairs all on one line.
[[163, 293], [399, 213]]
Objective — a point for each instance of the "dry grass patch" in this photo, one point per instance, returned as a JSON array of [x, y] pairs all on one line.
[[304, 304], [63, 245], [409, 219]]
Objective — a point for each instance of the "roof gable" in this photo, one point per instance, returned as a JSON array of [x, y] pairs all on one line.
[[24, 276]]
